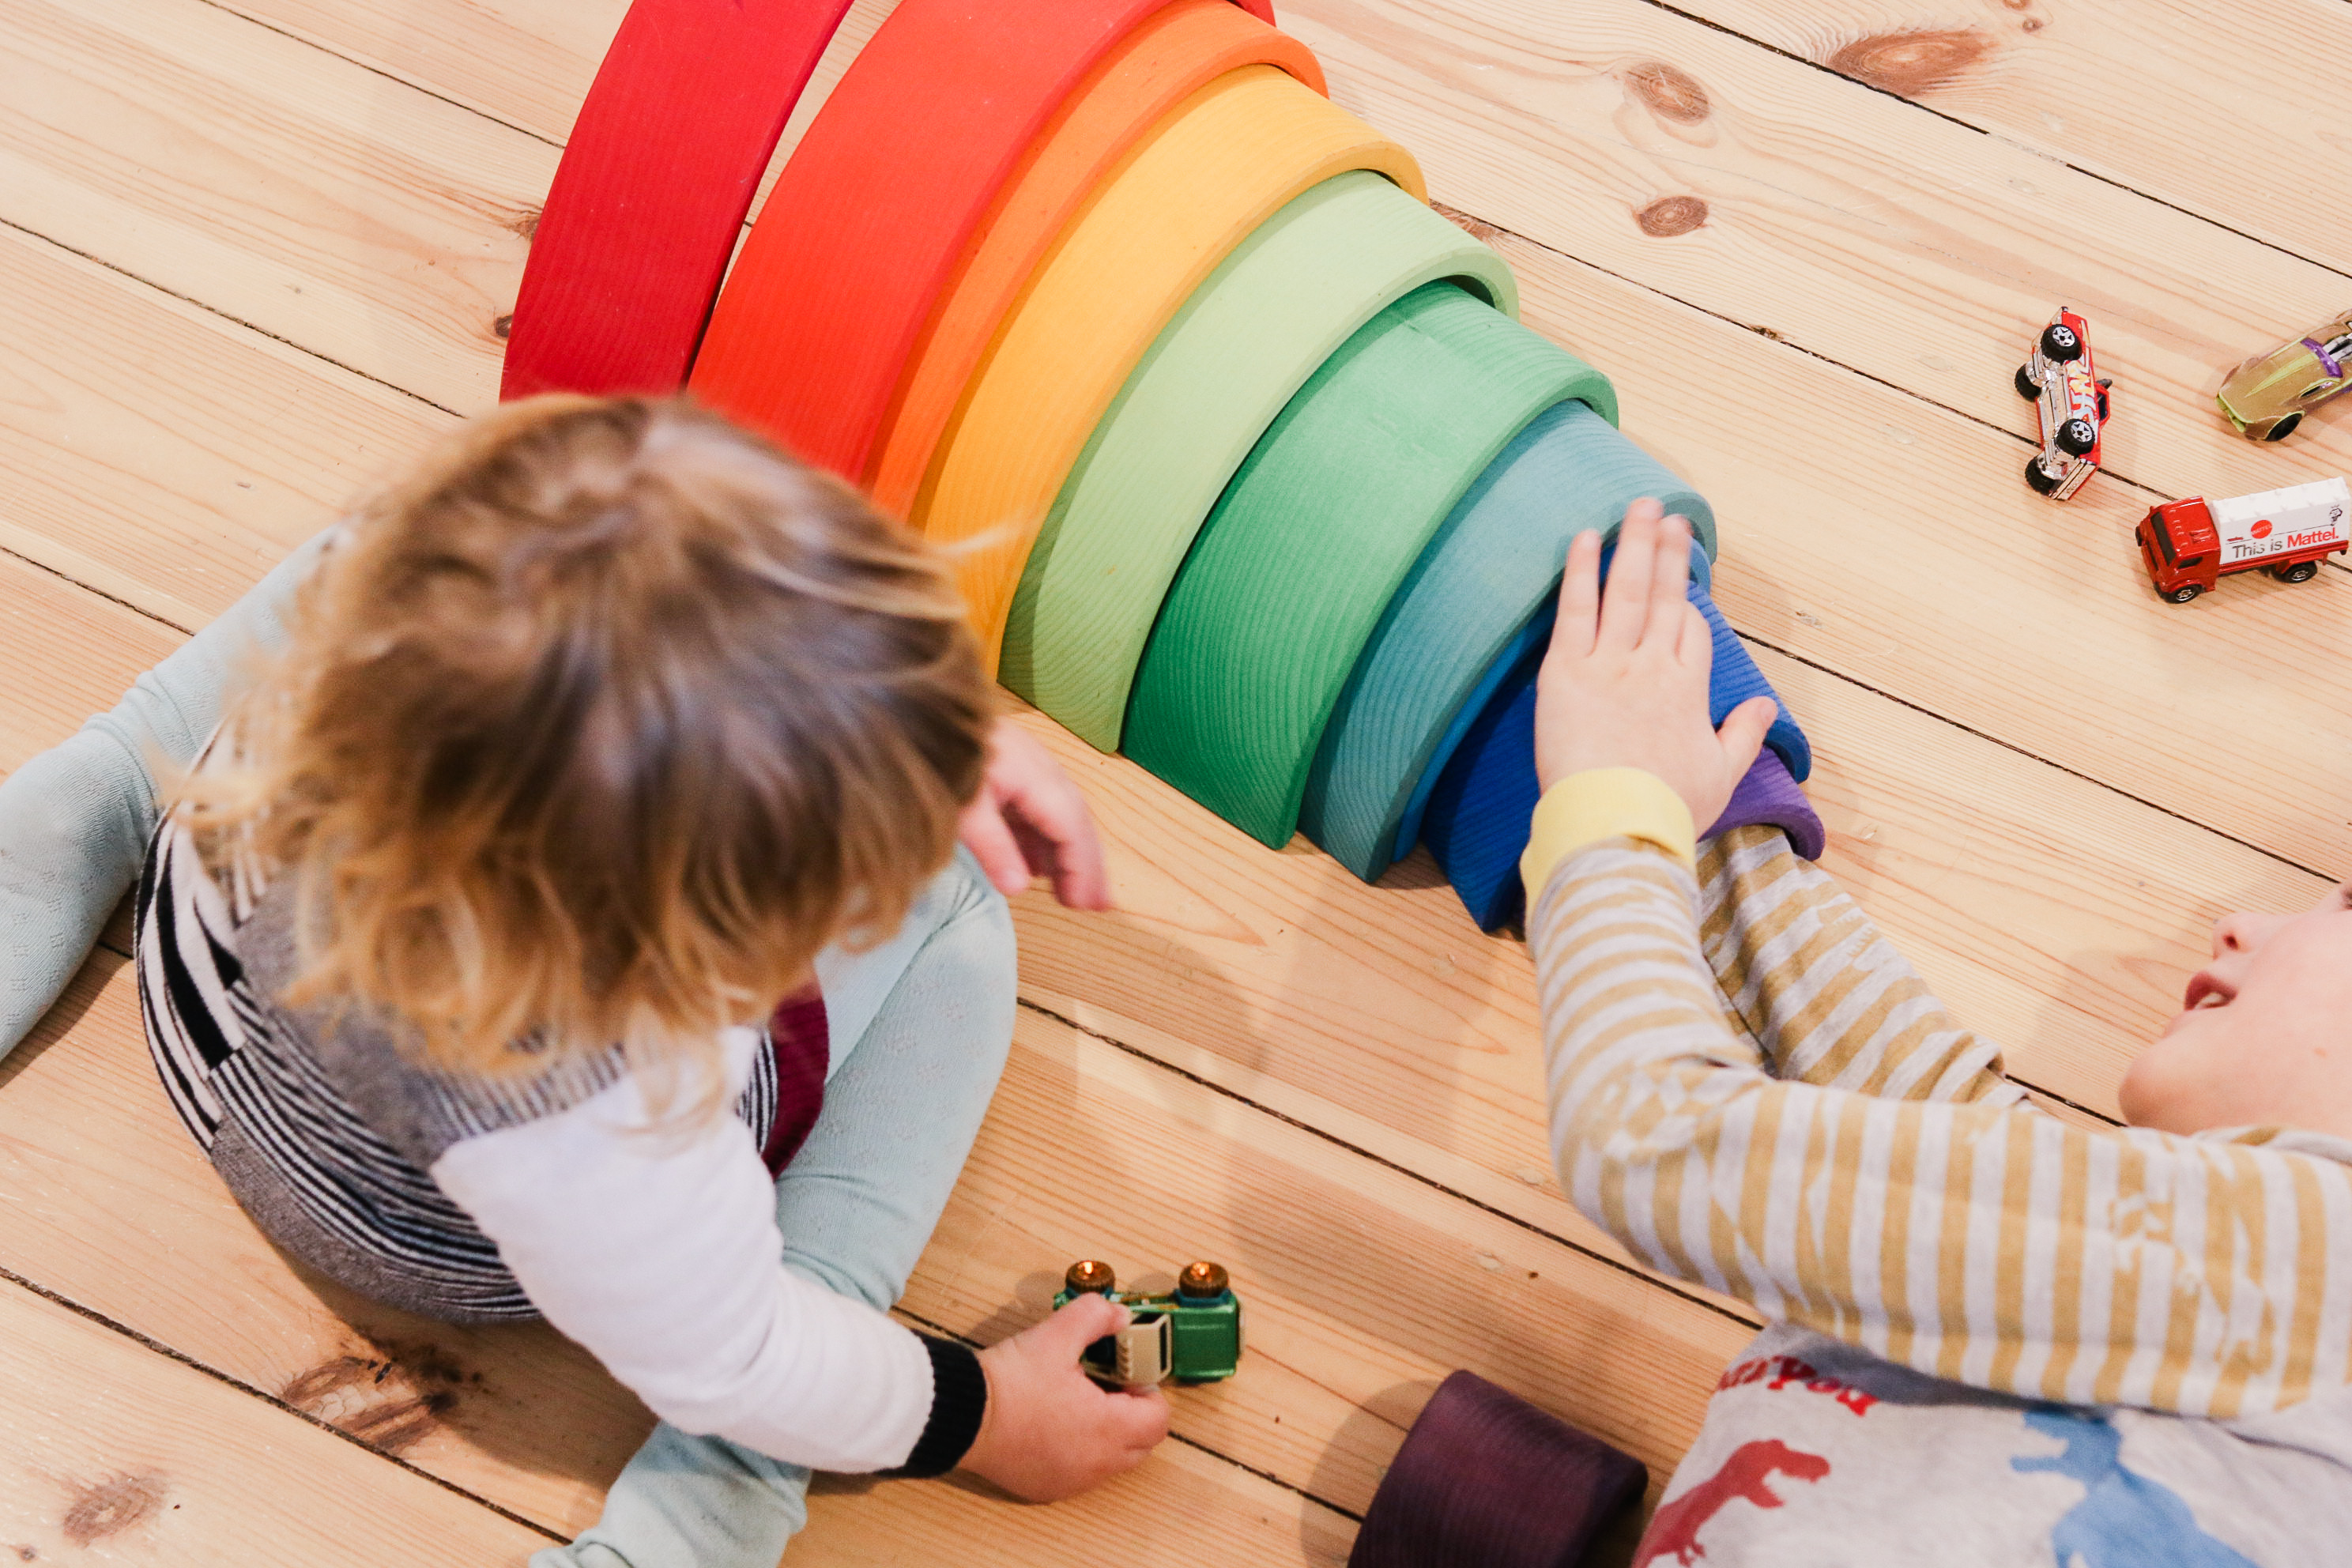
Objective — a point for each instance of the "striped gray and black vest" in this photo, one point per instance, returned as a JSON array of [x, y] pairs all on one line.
[[323, 1131]]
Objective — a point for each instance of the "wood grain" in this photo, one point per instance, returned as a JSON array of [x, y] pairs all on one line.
[[161, 454], [2229, 122], [112, 1453], [523, 62], [67, 655], [1914, 249], [322, 203], [117, 1210], [1364, 1286]]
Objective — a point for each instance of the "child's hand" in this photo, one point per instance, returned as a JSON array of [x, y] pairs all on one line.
[[1050, 1433], [1029, 820], [1624, 684]]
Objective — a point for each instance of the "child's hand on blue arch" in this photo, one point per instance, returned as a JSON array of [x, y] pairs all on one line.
[[1625, 683]]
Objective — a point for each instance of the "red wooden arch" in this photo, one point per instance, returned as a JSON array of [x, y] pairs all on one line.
[[872, 217], [654, 186], [661, 168]]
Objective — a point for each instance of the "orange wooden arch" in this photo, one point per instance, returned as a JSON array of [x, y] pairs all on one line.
[[874, 213], [1164, 61]]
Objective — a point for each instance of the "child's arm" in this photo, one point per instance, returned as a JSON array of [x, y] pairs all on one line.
[[1951, 1229], [1817, 986], [75, 820], [652, 1243]]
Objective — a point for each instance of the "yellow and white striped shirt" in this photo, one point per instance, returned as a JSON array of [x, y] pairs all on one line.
[[1752, 1089]]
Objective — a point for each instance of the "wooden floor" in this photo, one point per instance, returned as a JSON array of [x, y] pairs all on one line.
[[252, 252]]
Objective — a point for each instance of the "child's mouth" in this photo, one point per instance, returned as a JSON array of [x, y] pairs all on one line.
[[2204, 991]]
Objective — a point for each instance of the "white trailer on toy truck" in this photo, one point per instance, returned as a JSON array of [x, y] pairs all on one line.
[[2189, 546]]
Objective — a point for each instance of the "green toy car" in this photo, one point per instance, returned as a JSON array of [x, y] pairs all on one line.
[[1192, 1333], [2266, 396]]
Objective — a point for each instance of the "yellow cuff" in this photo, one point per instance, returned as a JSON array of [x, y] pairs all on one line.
[[1604, 802]]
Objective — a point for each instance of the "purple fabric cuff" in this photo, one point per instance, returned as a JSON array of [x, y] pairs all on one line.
[[1767, 794]]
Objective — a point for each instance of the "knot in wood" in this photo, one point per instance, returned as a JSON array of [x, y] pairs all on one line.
[[1670, 216], [1913, 60], [1670, 92]]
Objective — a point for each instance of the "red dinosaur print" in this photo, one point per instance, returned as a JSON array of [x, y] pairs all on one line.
[[1673, 1533]]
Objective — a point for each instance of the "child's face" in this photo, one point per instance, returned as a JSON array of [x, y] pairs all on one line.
[[2264, 1037]]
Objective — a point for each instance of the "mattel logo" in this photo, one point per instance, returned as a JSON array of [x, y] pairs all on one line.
[[2262, 529]]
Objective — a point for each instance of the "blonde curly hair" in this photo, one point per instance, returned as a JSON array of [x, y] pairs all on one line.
[[594, 728]]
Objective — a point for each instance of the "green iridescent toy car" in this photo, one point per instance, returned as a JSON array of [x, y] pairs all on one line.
[[1192, 1333], [2266, 396]]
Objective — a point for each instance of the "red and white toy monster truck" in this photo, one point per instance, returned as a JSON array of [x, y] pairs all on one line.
[[2063, 383]]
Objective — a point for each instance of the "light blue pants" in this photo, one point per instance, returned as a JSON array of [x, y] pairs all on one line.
[[856, 1206], [921, 1026]]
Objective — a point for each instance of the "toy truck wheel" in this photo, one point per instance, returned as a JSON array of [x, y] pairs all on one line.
[[2283, 428], [2183, 593], [2076, 438], [2027, 387], [2301, 572], [2042, 483], [2059, 344]]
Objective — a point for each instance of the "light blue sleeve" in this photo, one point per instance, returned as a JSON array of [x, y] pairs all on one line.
[[922, 1024], [74, 821]]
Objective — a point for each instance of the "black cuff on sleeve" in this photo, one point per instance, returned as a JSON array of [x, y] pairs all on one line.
[[958, 1400]]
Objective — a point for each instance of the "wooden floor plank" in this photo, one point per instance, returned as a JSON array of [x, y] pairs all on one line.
[[1183, 1508], [115, 1208], [2179, 100], [526, 63], [162, 454], [67, 654], [1364, 1286], [325, 204], [111, 1453], [1918, 250]]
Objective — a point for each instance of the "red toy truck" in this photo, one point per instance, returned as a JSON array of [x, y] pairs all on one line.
[[2191, 545], [2064, 384]]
